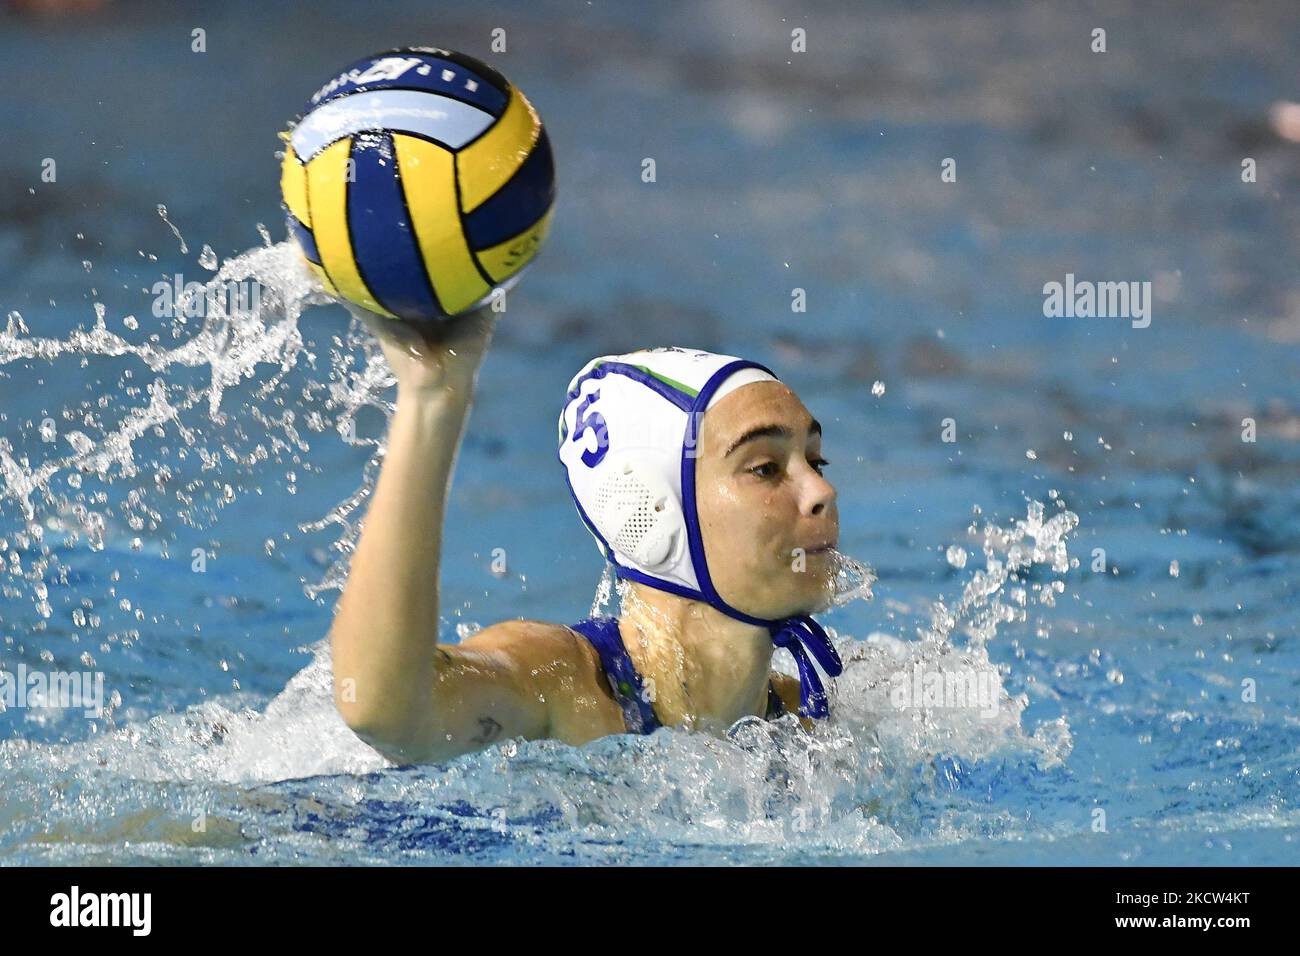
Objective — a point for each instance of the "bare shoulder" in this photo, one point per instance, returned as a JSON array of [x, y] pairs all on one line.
[[537, 649], [561, 665], [531, 638]]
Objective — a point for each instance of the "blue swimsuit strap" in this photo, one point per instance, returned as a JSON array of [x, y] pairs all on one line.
[[625, 683]]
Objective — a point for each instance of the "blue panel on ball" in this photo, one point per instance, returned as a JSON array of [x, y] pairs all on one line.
[[383, 240], [479, 86], [519, 203]]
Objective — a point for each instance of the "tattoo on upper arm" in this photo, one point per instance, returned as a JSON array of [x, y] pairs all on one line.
[[489, 730]]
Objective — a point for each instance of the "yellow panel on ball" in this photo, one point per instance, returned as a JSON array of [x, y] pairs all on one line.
[[504, 260], [428, 174], [293, 186], [327, 192]]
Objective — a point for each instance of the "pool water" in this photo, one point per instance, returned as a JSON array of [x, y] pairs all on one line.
[[1098, 543]]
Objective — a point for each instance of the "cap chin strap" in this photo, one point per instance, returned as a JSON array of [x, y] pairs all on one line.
[[799, 634]]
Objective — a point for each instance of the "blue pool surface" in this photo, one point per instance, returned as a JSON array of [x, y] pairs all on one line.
[[1150, 714]]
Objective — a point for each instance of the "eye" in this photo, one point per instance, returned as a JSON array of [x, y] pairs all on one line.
[[773, 470], [818, 464]]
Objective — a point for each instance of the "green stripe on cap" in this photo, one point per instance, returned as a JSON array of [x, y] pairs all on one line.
[[668, 381]]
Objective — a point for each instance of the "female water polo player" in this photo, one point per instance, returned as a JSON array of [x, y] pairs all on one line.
[[699, 476]]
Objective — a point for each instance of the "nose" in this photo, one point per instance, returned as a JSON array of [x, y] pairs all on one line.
[[824, 502], [819, 494]]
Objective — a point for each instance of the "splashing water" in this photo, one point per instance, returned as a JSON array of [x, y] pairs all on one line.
[[850, 786], [162, 214], [250, 311], [852, 581], [934, 696]]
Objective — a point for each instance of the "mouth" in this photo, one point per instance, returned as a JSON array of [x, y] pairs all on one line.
[[822, 548]]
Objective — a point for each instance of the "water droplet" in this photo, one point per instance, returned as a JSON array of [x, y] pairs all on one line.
[[852, 580], [1173, 569], [208, 258], [957, 556], [162, 212], [878, 388]]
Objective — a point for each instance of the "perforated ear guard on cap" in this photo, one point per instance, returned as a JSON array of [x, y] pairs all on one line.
[[639, 514]]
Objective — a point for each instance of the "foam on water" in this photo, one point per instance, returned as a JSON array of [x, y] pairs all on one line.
[[266, 777]]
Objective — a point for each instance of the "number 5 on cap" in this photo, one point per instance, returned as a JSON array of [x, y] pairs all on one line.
[[596, 422]]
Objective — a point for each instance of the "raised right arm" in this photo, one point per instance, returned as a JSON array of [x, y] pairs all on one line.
[[394, 685]]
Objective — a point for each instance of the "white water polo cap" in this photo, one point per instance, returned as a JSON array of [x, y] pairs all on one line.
[[628, 439]]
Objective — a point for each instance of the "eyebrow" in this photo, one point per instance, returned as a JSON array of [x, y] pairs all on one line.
[[771, 431]]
